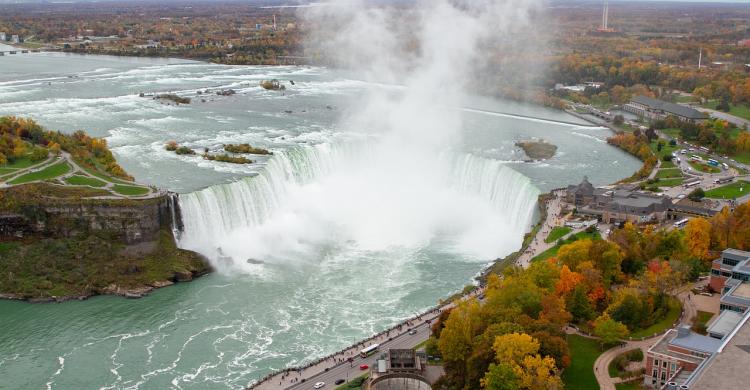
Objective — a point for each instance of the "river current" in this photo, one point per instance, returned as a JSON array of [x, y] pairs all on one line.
[[313, 294]]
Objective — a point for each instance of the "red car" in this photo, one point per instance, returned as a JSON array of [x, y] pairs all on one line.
[[364, 367]]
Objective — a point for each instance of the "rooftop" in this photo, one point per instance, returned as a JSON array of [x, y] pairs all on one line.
[[662, 347], [724, 323], [696, 342], [671, 108], [727, 368]]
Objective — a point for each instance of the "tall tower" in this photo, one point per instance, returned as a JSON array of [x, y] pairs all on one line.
[[274, 22], [605, 15]]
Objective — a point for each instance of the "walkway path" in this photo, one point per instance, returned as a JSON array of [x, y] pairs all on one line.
[[601, 365], [537, 245]]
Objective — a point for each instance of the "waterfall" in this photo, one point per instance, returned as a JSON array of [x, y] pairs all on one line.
[[294, 192]]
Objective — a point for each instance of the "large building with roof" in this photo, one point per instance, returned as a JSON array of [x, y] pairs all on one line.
[[685, 360], [618, 204], [650, 108]]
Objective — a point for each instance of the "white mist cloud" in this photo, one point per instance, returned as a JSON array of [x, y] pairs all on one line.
[[408, 187]]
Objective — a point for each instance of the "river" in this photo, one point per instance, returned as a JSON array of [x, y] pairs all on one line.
[[337, 257]]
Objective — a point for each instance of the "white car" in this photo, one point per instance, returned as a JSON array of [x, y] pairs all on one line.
[[319, 385], [681, 196]]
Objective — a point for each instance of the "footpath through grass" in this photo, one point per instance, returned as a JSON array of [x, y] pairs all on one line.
[[129, 190], [80, 180], [47, 173], [675, 309], [557, 233], [583, 354], [730, 191]]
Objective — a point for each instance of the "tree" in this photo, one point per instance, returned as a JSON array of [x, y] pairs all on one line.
[[697, 194], [501, 377], [579, 305], [698, 237], [538, 373], [511, 348], [456, 338], [618, 120], [574, 253], [609, 330]]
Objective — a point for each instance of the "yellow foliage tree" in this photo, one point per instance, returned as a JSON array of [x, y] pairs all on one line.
[[698, 237]]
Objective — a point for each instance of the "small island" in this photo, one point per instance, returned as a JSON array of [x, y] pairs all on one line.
[[272, 85], [245, 148], [172, 97], [172, 146], [538, 149]]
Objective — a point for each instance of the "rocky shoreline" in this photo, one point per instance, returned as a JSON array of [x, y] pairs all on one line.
[[113, 289]]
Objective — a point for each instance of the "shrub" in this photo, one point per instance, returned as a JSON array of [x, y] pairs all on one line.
[[39, 154], [184, 150]]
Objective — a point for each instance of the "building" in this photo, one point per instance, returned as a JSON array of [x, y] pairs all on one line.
[[622, 205], [14, 39], [2, 37], [677, 355], [733, 264], [654, 109], [580, 195], [401, 369]]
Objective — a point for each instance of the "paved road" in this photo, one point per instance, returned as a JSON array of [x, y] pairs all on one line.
[[349, 371], [739, 122]]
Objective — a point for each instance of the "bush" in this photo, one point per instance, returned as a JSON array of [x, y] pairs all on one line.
[[39, 154], [184, 150]]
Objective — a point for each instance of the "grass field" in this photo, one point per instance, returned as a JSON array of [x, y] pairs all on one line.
[[666, 149], [704, 167], [670, 182], [552, 252], [672, 132], [49, 172], [667, 165], [557, 233], [129, 190], [78, 180], [730, 191], [675, 309], [583, 353], [669, 173], [739, 111], [23, 162]]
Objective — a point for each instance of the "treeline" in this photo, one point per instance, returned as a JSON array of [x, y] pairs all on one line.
[[637, 144], [514, 339], [87, 151], [619, 73], [715, 134]]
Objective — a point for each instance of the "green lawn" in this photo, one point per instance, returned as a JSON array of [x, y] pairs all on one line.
[[130, 190], [552, 252], [20, 163], [47, 173], [4, 171], [583, 354], [666, 149], [740, 111], [672, 132], [669, 182], [80, 180], [103, 176], [557, 233], [668, 173], [675, 309], [700, 167], [667, 165], [742, 157], [730, 191]]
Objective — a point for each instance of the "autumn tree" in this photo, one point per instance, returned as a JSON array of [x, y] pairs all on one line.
[[698, 237], [609, 330]]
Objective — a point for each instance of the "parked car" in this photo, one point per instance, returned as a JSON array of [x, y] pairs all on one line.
[[363, 366], [339, 381], [319, 385]]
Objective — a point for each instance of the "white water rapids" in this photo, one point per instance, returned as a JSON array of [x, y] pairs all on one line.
[[310, 199]]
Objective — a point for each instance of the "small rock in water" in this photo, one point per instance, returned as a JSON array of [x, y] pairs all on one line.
[[253, 261]]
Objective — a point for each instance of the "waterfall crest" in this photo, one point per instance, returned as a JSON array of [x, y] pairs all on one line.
[[296, 202]]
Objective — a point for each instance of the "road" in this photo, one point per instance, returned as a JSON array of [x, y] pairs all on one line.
[[739, 122], [351, 371]]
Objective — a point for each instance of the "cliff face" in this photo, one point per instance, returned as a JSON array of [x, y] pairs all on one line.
[[127, 221]]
